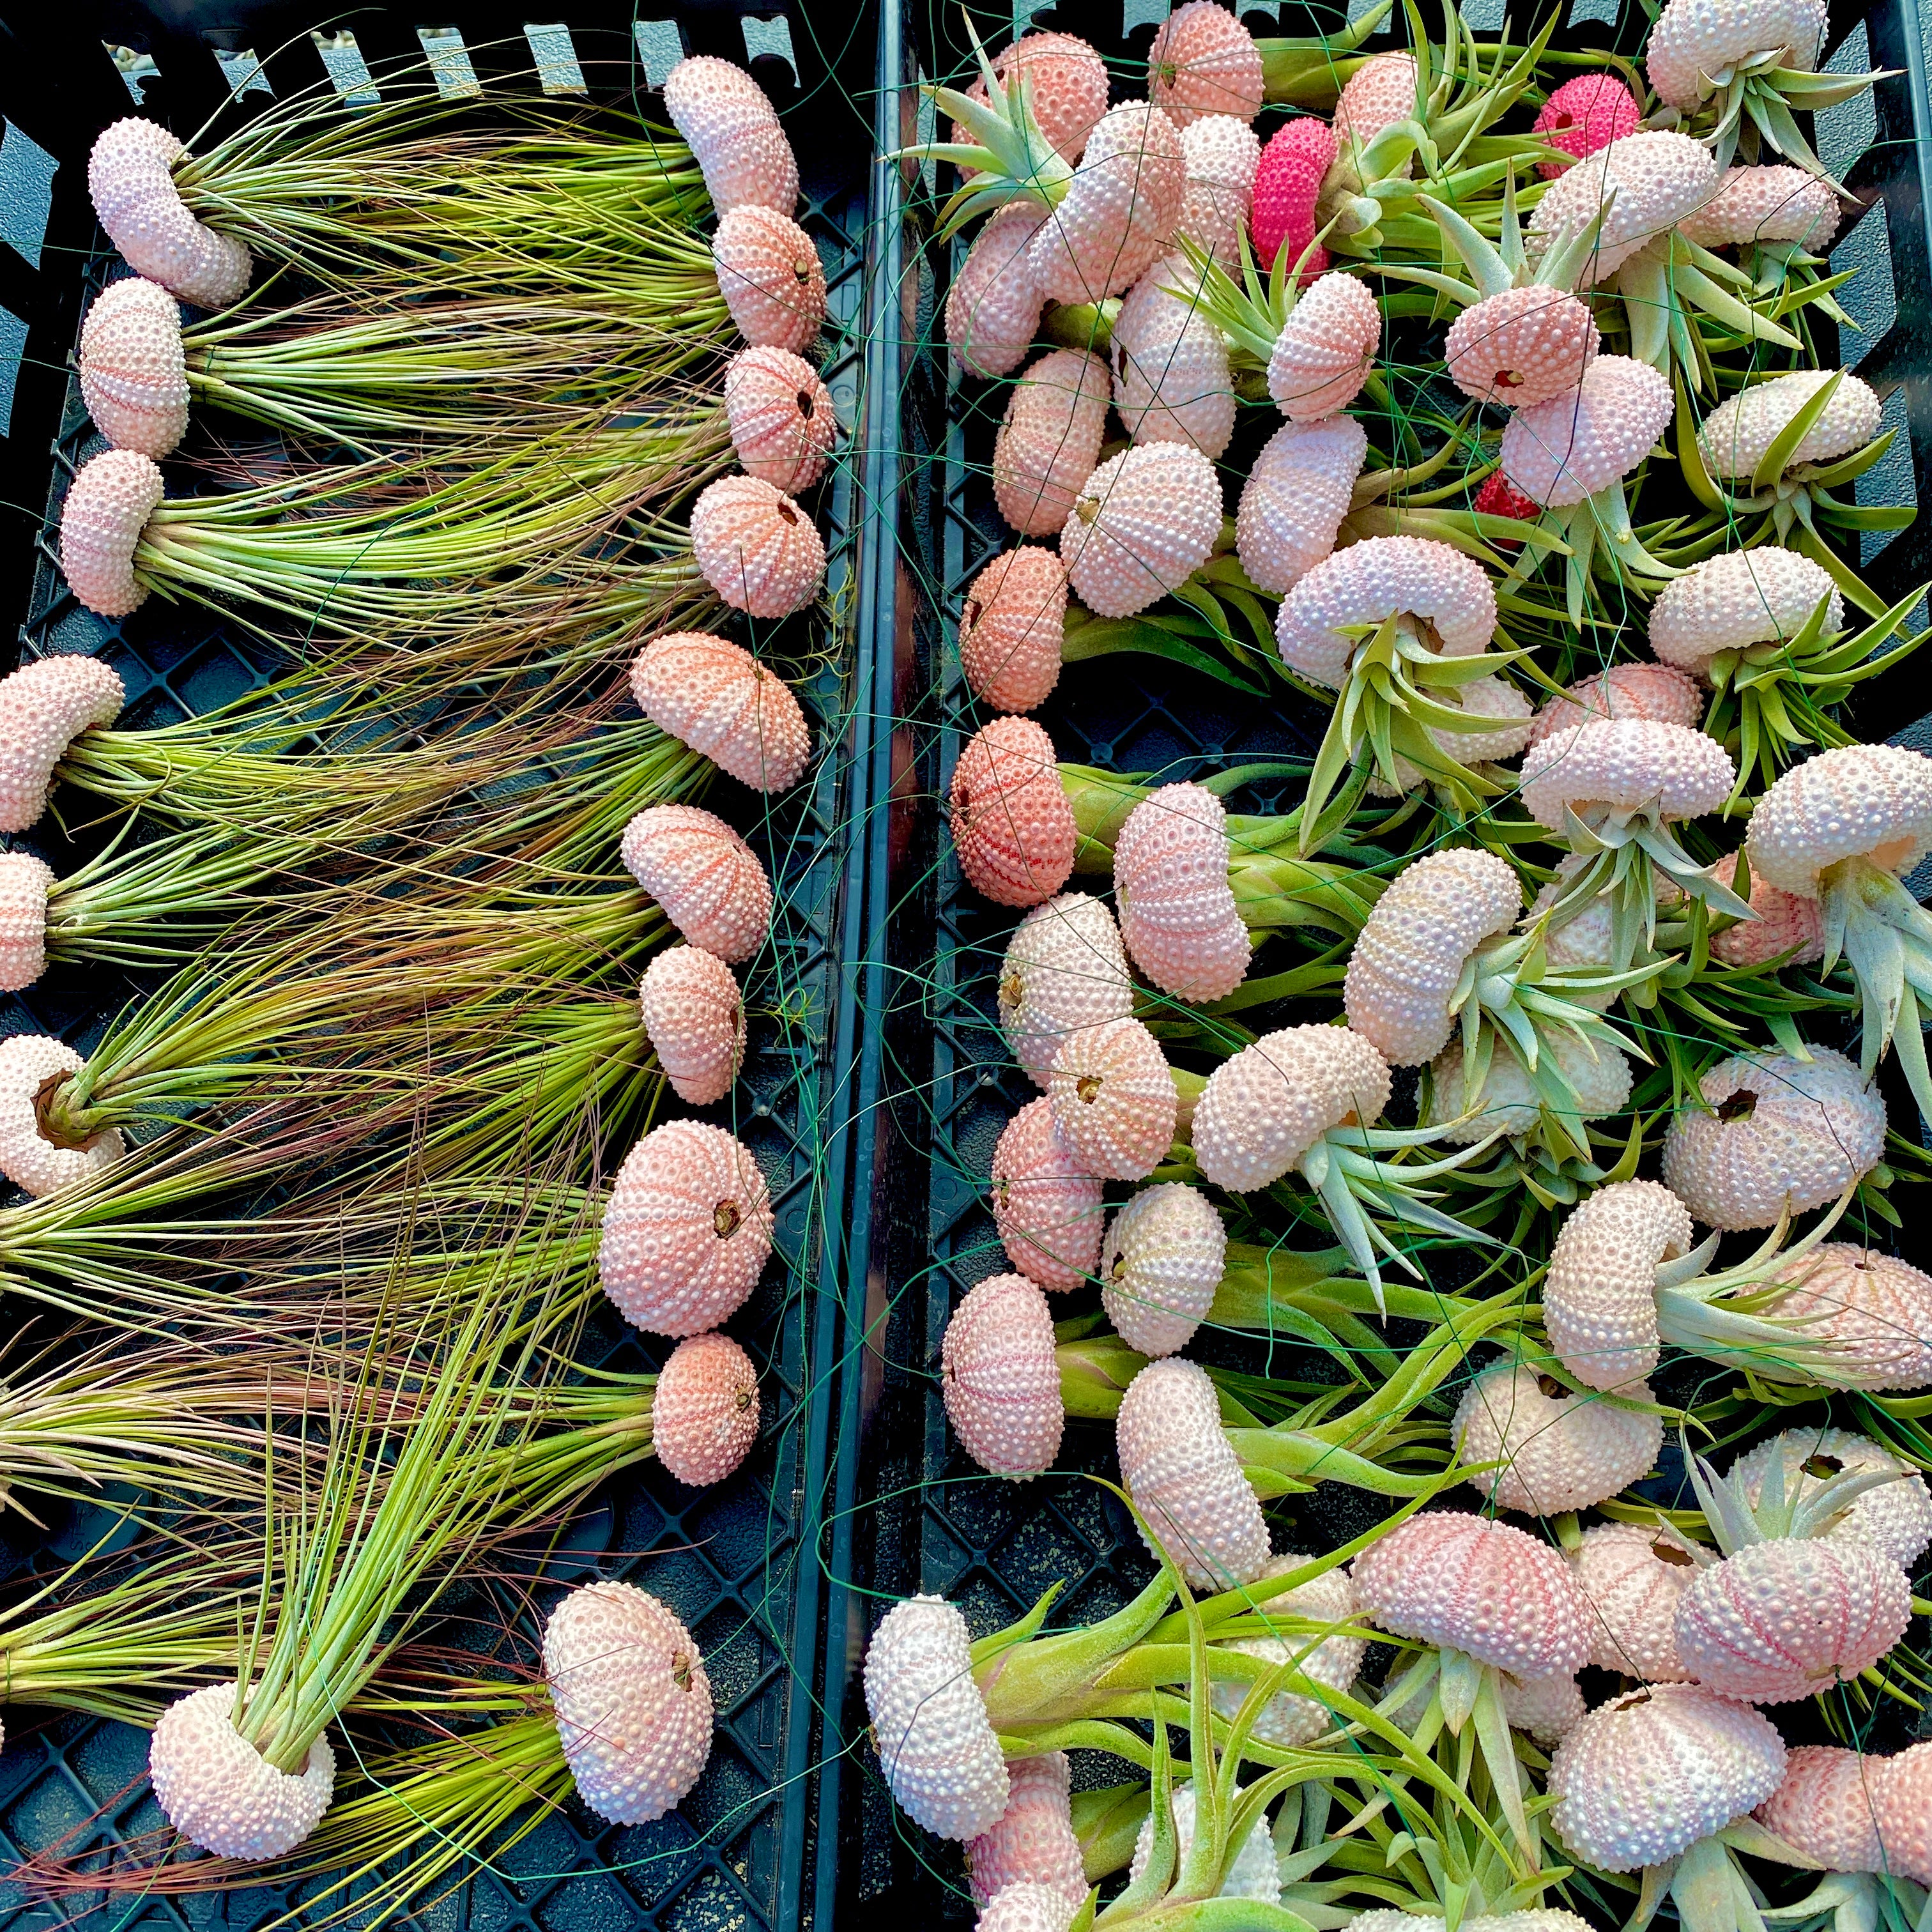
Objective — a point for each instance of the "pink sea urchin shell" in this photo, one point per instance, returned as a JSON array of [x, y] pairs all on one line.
[[694, 1014], [108, 506], [1449, 594], [1068, 82], [1065, 969], [1562, 451], [1658, 179], [1904, 1809], [1585, 116], [220, 1793], [1859, 801], [994, 307], [732, 130], [133, 372], [1000, 1378], [1736, 436], [1626, 765], [1222, 155], [1378, 93], [1050, 440], [1114, 1099], [24, 882], [1549, 1708], [1161, 1265], [1878, 1308], [1119, 210], [129, 177], [1046, 1204], [1012, 827], [1559, 1451], [1032, 1844], [1297, 492], [770, 276], [1660, 692], [1325, 349], [1744, 597], [1265, 1107], [28, 1062], [44, 705], [1202, 61], [1143, 524], [707, 879], [1824, 1808], [1288, 184], [1012, 627], [1784, 924], [716, 697], [1895, 1519], [1292, 1717], [756, 547], [1692, 40], [1027, 1908], [1172, 382], [1766, 204], [1600, 1296], [1634, 1575], [686, 1231], [783, 425], [1178, 917], [704, 1411], [1521, 347]]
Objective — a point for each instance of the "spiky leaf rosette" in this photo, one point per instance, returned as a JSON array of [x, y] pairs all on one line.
[[1893, 1516], [1251, 1873]]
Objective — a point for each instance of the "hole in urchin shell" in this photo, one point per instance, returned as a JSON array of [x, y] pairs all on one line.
[[1012, 991], [726, 1220], [1552, 1387], [1823, 1467], [970, 618], [786, 510], [803, 271], [1509, 379], [744, 1400], [1740, 1106], [1088, 509], [1088, 1088], [1561, 124], [805, 402], [1669, 1552], [680, 1671], [1118, 1272]]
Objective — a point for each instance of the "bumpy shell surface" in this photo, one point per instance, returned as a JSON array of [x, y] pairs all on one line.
[[1325, 349], [733, 132], [1549, 1708], [715, 696], [1767, 204], [1379, 93], [1559, 1451], [1868, 801], [1027, 1908], [707, 879], [1824, 1808], [1659, 179], [1290, 1718], [1065, 969], [1483, 1588], [1895, 1519], [1251, 1873], [1780, 1133], [993, 308], [1659, 692], [1600, 1296], [218, 1790], [1499, 497], [1222, 155], [1736, 434], [1178, 917], [1561, 451], [1032, 1844], [936, 1749], [134, 375], [1114, 1099], [1046, 1205], [1509, 1101], [1202, 61], [44, 705], [1264, 1109], [1161, 1264], [1408, 958], [1634, 1575], [27, 1157], [686, 1231], [756, 547], [108, 506], [1785, 924], [1903, 1790], [1012, 826], [1000, 1378], [1068, 81], [1295, 497], [1626, 765], [1050, 440], [1171, 378], [24, 882], [1288, 184], [633, 1703], [1694, 41], [770, 276], [1521, 347], [1012, 627], [1585, 116], [694, 1015], [1185, 1480], [1876, 1307], [783, 425], [1644, 1777], [1120, 210], [1449, 594], [129, 178], [1744, 597], [1143, 524], [704, 1411]]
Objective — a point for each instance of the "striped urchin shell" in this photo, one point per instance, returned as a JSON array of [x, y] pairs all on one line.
[[1120, 210], [1114, 1099], [1264, 1109], [1634, 1575], [782, 422], [1826, 1808], [1466, 1583], [1626, 764], [1780, 1133], [1876, 1307], [1297, 492], [129, 177], [1734, 437], [1160, 1267], [1660, 692], [1521, 347], [1549, 1708], [1509, 1103], [1178, 917], [714, 696], [1585, 116], [1196, 1507], [1766, 204], [1599, 1295], [44, 705], [1450, 595], [770, 276], [1050, 440], [1895, 1519], [1785, 924], [28, 1061], [1408, 958], [107, 507], [1046, 1205], [1011, 628], [1859, 801], [1251, 1873], [694, 1015], [1065, 968], [1288, 184], [218, 1791], [1695, 40], [1560, 1451], [634, 1709], [1565, 450], [1904, 1808], [1012, 828], [1646, 1776], [755, 547], [937, 1750], [993, 308], [686, 1231], [1743, 597], [704, 1410], [1145, 521], [1067, 80], [733, 132], [1171, 378], [1000, 1378], [1203, 61], [134, 375], [1027, 1907], [1222, 155], [1290, 1718], [24, 882], [706, 879], [1659, 178], [1033, 1843], [1325, 349]]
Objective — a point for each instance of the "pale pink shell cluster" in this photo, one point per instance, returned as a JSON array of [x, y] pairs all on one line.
[[129, 178]]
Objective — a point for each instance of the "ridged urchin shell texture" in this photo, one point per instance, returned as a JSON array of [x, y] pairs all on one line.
[[1509, 1101], [1450, 595], [1050, 440], [1781, 1132], [1466, 1583], [1659, 179], [1144, 523], [1325, 349], [1584, 115], [134, 375], [693, 1016], [1288, 184], [1068, 80], [1644, 1777], [732, 130], [1379, 93], [129, 180], [782, 423], [1904, 1808], [24, 882], [1251, 1873], [44, 705], [1766, 204], [1046, 1205], [714, 696], [1599, 1295], [1012, 828], [1694, 39], [706, 879], [704, 1410], [1559, 1450], [1626, 764], [686, 1231], [1159, 1268], [1549, 1708], [1561, 451], [1203, 61], [1120, 210], [1033, 1843], [633, 1709], [1026, 1908], [1409, 957], [27, 1157], [1785, 924], [770, 276], [1185, 1480], [1659, 692], [1011, 629], [1114, 1099], [1868, 801], [1826, 1807], [1222, 156], [1178, 917], [993, 311], [1264, 1109], [220, 1793], [1878, 1308], [756, 547], [1499, 497], [107, 507], [1290, 1719], [1783, 1621], [1001, 1379], [1297, 492], [1895, 1519], [1172, 382], [1743, 597], [1734, 437], [1065, 968], [936, 1746], [1521, 347], [1634, 1575]]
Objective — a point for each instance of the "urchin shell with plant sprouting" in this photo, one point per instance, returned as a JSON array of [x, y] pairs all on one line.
[[1657, 692], [704, 1410], [1510, 1101], [1784, 925], [707, 880], [1521, 347], [1114, 1099], [693, 1016], [1379, 93], [107, 508], [733, 131], [1000, 1378], [1046, 1204], [1325, 349], [1755, 205], [25, 883], [756, 547], [1160, 1265], [1222, 155], [1634, 1575], [1012, 627], [1560, 452], [1172, 382], [130, 182], [1251, 1873], [1744, 597], [1658, 179], [1291, 1718], [1012, 828], [1858, 801], [782, 423], [1050, 440], [1142, 524], [1877, 1308], [1298, 491], [1599, 1295], [1735, 438], [1627, 764], [1066, 80], [1693, 39], [1065, 968], [633, 1709], [1288, 184], [1120, 209], [44, 705], [1824, 1808], [133, 374], [218, 1790], [1262, 1110], [1559, 1451], [1895, 1519], [992, 312], [28, 1062], [1178, 917], [1203, 61], [770, 276], [714, 696], [1033, 1843], [1583, 116]]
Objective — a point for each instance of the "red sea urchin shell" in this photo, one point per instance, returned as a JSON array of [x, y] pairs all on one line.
[[704, 1410], [716, 697], [1500, 497], [694, 1014], [1049, 440], [44, 705], [1202, 61], [707, 879], [1046, 1205], [1012, 627], [129, 177], [24, 882], [1584, 115], [783, 425], [1001, 1379], [218, 1791], [108, 506], [1033, 1842], [1114, 1099], [1178, 917], [1287, 183], [755, 547], [1012, 828], [733, 132], [770, 276], [133, 374]]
